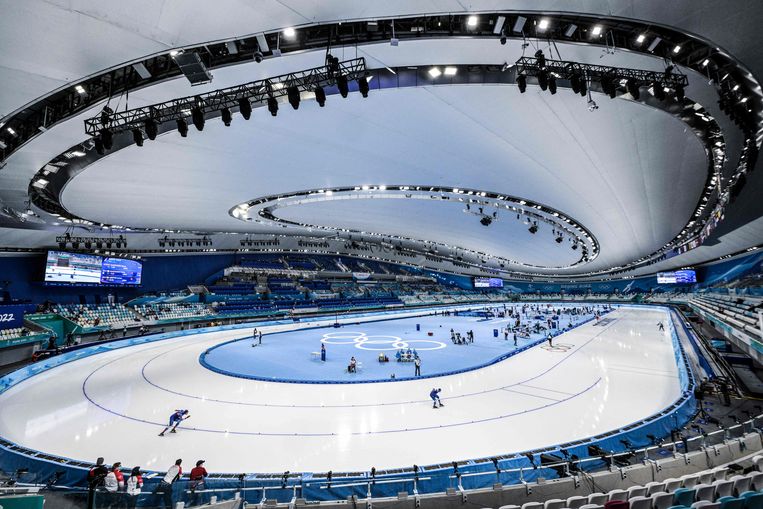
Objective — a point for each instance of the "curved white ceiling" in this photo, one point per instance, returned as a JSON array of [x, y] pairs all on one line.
[[54, 43], [615, 170]]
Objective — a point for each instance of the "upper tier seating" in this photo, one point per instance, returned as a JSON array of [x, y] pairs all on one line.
[[101, 315], [173, 310]]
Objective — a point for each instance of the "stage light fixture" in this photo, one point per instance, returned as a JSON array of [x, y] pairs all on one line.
[[543, 24], [197, 116], [341, 84], [596, 30], [363, 86], [552, 85], [485, 221], [522, 83], [543, 80], [533, 229], [62, 245], [75, 244], [559, 239], [182, 127], [272, 106], [633, 89], [574, 247], [137, 137], [503, 39], [226, 116], [98, 143], [680, 93], [108, 138], [293, 94], [658, 91], [641, 38], [472, 21], [320, 96], [152, 129], [575, 83], [258, 56], [245, 108], [541, 58]]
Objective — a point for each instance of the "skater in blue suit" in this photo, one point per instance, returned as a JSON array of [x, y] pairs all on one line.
[[175, 419], [435, 395]]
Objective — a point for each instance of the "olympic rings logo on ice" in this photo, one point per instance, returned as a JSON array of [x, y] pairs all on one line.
[[379, 343]]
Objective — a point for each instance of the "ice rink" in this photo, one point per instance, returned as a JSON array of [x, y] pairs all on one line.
[[597, 377]]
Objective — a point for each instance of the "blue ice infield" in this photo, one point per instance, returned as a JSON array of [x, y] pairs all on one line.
[[294, 356]]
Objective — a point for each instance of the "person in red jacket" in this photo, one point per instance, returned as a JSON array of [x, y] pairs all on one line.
[[198, 474]]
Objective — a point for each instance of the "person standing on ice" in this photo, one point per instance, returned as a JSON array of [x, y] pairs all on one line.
[[175, 419]]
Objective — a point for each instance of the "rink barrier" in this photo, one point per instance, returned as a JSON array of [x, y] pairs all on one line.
[[471, 474], [500, 358]]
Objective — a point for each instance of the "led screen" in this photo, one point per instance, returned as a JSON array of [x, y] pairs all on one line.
[[87, 269], [488, 282], [679, 277]]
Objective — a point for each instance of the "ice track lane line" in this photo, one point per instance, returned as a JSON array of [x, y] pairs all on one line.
[[354, 433], [276, 405]]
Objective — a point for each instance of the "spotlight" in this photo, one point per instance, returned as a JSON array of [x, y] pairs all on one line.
[[272, 106], [541, 58], [198, 118], [62, 245], [108, 138], [522, 83], [574, 247], [151, 129], [559, 239], [320, 96], [485, 221], [75, 245], [632, 86], [503, 39], [575, 83], [552, 85], [245, 108], [659, 92], [137, 137], [293, 94], [533, 229], [363, 86], [258, 56], [226, 116], [182, 127], [98, 143], [341, 84], [608, 86], [680, 94], [543, 80]]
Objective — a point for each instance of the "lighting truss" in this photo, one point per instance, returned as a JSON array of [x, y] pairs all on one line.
[[563, 69], [257, 92], [167, 241], [64, 241]]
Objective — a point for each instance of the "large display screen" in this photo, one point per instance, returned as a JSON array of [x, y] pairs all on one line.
[[86, 269], [118, 271], [679, 277], [75, 268], [488, 282]]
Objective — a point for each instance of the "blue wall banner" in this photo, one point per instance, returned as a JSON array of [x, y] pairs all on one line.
[[12, 317]]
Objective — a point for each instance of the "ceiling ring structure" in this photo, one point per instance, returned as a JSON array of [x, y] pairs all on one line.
[[59, 172], [485, 206]]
